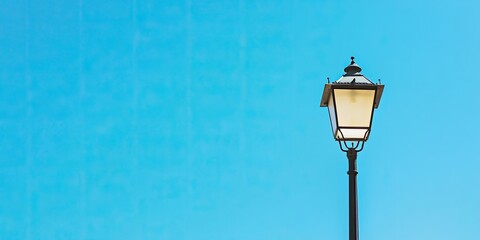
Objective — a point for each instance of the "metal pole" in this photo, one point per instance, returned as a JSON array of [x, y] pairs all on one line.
[[352, 190]]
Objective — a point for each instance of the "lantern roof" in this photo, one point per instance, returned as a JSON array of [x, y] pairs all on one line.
[[352, 75]]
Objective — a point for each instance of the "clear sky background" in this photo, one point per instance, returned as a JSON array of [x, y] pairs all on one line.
[[200, 120]]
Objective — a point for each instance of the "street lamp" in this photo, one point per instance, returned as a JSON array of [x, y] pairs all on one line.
[[351, 101]]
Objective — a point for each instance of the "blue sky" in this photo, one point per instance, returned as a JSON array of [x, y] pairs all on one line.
[[201, 120]]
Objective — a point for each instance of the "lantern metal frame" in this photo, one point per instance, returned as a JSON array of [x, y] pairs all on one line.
[[329, 90]]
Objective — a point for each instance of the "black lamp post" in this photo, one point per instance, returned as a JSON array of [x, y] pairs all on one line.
[[351, 101]]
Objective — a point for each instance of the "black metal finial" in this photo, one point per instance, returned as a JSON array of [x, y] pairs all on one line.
[[328, 80], [353, 68]]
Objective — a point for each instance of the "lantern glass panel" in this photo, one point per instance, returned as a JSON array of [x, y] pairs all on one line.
[[331, 112], [353, 134], [353, 108]]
